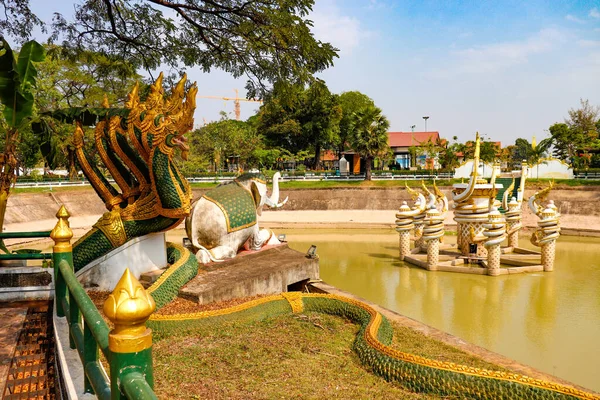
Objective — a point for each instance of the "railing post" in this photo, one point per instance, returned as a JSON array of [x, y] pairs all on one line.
[[62, 250], [130, 342]]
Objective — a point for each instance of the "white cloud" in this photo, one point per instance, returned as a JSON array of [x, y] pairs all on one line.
[[497, 56], [588, 43], [573, 18], [342, 31], [594, 13]]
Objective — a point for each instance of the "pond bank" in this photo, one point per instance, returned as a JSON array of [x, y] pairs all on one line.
[[328, 208]]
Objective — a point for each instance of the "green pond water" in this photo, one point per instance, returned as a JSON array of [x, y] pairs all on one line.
[[550, 321]]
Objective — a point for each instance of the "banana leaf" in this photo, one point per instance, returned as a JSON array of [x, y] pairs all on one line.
[[17, 80]]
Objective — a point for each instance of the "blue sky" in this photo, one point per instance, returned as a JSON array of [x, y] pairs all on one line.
[[507, 69]]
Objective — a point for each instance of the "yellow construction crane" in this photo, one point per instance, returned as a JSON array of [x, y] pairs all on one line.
[[236, 101]]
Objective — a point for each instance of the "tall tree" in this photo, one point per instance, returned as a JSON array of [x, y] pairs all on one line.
[[350, 103], [447, 156], [369, 138], [297, 119], [221, 140], [320, 119], [579, 132], [264, 40], [520, 151]]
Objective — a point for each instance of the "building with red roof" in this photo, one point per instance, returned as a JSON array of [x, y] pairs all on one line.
[[401, 141]]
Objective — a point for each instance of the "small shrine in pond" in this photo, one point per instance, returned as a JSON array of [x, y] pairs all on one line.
[[486, 214]]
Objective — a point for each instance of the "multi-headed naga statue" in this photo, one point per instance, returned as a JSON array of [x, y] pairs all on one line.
[[136, 144]]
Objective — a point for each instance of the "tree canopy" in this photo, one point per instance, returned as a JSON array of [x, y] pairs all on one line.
[[264, 40], [297, 118], [350, 103], [577, 135]]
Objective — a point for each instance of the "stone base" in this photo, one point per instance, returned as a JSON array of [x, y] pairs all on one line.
[[269, 271], [23, 283], [514, 263]]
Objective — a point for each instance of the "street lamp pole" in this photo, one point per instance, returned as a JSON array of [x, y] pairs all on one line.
[[426, 118]]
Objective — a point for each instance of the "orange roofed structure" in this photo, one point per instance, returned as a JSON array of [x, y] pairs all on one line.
[[401, 141]]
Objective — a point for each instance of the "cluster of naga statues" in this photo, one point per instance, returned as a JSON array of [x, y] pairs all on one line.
[[481, 227]]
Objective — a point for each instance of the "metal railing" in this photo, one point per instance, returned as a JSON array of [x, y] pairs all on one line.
[[127, 348], [26, 254]]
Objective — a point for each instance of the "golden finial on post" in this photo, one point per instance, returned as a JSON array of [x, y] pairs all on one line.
[[62, 233], [105, 103], [129, 307]]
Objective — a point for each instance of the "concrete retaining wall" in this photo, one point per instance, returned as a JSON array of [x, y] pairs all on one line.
[[29, 207]]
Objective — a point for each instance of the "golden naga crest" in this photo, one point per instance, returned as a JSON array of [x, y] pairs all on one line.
[[167, 120], [128, 141]]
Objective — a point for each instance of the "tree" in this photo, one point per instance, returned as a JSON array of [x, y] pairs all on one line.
[[83, 81], [584, 120], [565, 141], [578, 133], [319, 119], [521, 151], [296, 119], [218, 141], [447, 156], [264, 40], [369, 138], [17, 85], [431, 150], [350, 103], [537, 153]]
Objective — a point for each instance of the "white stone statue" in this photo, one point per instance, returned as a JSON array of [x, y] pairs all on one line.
[[224, 220]]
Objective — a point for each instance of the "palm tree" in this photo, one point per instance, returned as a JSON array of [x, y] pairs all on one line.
[[369, 134], [537, 153]]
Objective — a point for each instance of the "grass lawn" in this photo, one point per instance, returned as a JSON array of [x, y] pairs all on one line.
[[294, 356], [397, 183]]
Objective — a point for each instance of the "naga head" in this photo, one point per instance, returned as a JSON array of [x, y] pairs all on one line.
[[163, 122]]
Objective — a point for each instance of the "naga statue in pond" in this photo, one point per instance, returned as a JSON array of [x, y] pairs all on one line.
[[224, 220]]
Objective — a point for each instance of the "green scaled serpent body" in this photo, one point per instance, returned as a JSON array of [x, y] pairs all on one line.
[[372, 344], [136, 145]]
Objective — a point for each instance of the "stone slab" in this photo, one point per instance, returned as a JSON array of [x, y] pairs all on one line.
[[268, 271]]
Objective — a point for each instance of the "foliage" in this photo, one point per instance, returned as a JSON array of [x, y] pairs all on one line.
[[578, 134], [369, 138], [295, 118], [265, 40], [216, 142], [489, 151], [539, 151], [350, 103], [18, 81], [520, 151], [447, 156], [17, 85], [74, 89]]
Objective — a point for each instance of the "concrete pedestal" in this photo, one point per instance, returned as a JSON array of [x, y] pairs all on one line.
[[142, 254], [269, 271]]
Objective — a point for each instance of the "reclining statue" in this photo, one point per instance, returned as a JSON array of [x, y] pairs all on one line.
[[224, 220]]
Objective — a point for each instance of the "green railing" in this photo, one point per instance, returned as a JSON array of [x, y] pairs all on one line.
[[25, 254], [127, 348]]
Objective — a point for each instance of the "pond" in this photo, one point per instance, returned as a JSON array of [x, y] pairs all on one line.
[[550, 321]]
